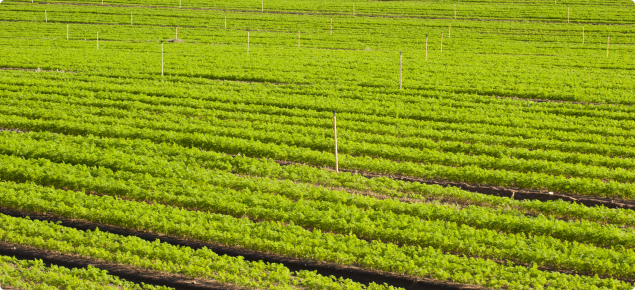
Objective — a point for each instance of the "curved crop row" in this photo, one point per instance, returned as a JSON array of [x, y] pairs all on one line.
[[289, 240], [254, 148], [34, 274]]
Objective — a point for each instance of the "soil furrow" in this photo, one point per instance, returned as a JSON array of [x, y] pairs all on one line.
[[515, 193], [561, 101]]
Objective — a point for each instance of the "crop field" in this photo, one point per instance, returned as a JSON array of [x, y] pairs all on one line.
[[190, 144]]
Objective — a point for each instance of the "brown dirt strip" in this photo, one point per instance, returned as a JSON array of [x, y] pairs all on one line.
[[254, 82], [129, 273], [523, 194], [515, 193], [327, 13], [354, 273], [12, 130], [560, 101], [36, 70]]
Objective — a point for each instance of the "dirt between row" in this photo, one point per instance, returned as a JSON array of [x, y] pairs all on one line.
[[35, 70], [515, 193], [357, 274], [560, 101], [521, 194]]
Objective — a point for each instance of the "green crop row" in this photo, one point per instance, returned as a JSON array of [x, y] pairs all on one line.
[[154, 152], [441, 227], [385, 75], [35, 275], [608, 120], [586, 12], [246, 142], [366, 217], [163, 257], [351, 143], [201, 116], [373, 61], [290, 239], [611, 129], [161, 160], [429, 127], [197, 25]]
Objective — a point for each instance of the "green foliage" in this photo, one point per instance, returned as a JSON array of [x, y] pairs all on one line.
[[189, 153], [33, 274], [290, 239]]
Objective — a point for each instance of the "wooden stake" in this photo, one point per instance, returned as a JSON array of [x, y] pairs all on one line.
[[225, 21], [176, 36], [179, 4], [46, 17], [161, 57], [97, 39], [102, 2], [450, 30], [568, 13], [441, 41], [582, 34], [426, 47], [400, 72], [130, 17], [454, 10], [66, 31], [298, 39], [262, 5], [331, 25], [608, 41], [335, 138], [353, 8], [247, 42]]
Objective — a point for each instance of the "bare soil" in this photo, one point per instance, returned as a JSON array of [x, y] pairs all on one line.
[[523, 194], [12, 130], [559, 101], [35, 70]]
